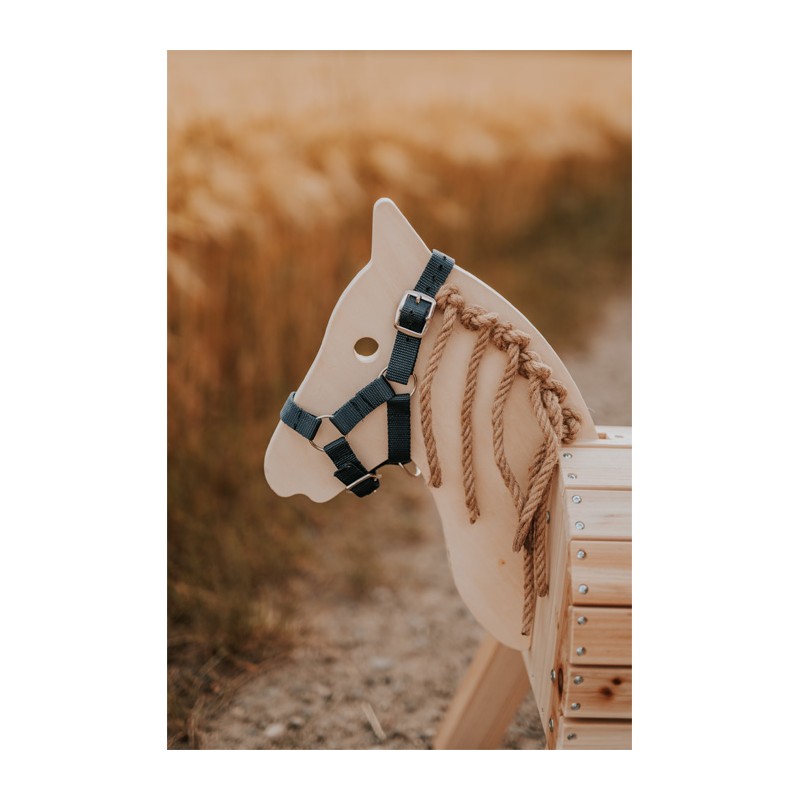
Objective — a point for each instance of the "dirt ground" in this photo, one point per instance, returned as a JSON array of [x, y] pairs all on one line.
[[379, 673]]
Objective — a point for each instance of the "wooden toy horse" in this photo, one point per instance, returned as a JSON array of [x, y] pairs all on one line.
[[481, 406]]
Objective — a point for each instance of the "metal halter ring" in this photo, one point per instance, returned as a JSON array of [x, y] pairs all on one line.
[[417, 471], [311, 441], [413, 375]]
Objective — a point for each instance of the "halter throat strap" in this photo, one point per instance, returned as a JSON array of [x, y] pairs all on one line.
[[414, 312]]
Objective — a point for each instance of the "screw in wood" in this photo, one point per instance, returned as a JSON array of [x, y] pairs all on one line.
[[583, 589], [575, 706], [579, 525], [572, 736], [552, 675], [567, 455], [576, 498], [578, 680], [551, 724], [581, 620], [581, 651], [581, 554]]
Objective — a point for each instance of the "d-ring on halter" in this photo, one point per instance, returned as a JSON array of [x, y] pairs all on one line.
[[411, 321]]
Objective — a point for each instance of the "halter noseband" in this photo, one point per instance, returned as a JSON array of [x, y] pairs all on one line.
[[411, 321]]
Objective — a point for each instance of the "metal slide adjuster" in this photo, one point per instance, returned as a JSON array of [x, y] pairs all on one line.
[[418, 296], [377, 476]]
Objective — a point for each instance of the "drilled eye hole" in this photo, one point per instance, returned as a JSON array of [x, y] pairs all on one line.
[[366, 349]]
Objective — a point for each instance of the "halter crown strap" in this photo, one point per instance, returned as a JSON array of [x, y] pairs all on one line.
[[411, 321]]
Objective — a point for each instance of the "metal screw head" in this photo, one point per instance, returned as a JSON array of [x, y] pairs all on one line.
[[547, 516], [575, 706], [572, 475], [551, 724], [567, 455], [581, 554], [576, 498], [572, 736], [578, 680], [581, 620], [583, 589], [581, 651], [552, 675], [579, 526]]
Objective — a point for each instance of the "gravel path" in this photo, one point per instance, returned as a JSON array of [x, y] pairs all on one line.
[[379, 673]]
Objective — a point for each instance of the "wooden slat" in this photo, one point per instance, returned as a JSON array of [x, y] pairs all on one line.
[[605, 570], [490, 693], [596, 467], [603, 635], [603, 692], [599, 515], [589, 734], [550, 621]]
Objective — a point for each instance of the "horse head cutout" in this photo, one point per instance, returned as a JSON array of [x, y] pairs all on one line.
[[492, 403]]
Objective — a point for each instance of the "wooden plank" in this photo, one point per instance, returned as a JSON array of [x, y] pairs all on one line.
[[600, 573], [490, 693], [591, 734], [596, 467], [550, 622], [600, 514], [614, 436], [603, 635], [604, 692]]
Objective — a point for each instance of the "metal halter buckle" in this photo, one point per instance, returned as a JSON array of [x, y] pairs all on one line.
[[362, 479], [419, 296]]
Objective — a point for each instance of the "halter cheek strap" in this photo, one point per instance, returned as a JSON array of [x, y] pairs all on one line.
[[411, 321]]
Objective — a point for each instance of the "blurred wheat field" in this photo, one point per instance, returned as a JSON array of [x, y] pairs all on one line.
[[518, 164]]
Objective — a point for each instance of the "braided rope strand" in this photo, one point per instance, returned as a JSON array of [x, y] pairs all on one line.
[[558, 423]]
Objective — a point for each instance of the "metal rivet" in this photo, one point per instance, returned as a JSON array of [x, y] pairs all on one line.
[[572, 475], [583, 589], [581, 554], [567, 455], [576, 498], [581, 620], [552, 675], [578, 680], [579, 525], [572, 736], [575, 706], [581, 651], [550, 724]]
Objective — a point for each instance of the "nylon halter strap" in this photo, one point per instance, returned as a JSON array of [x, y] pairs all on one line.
[[411, 321]]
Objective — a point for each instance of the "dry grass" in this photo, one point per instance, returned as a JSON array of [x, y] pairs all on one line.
[[271, 184]]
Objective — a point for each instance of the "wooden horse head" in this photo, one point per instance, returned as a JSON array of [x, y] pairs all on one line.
[[488, 572]]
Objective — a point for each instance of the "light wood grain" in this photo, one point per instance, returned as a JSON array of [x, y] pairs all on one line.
[[596, 467], [487, 699], [605, 571], [604, 634], [580, 734], [599, 515], [599, 692]]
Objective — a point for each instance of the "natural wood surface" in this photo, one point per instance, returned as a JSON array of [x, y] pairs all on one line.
[[589, 734], [597, 692], [604, 634], [487, 699], [599, 515], [600, 573], [591, 467], [487, 572]]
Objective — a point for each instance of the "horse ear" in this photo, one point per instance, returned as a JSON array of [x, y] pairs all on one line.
[[395, 244]]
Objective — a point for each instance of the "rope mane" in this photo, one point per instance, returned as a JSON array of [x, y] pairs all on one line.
[[558, 423]]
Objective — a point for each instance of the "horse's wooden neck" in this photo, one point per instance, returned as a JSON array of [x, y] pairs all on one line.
[[487, 572]]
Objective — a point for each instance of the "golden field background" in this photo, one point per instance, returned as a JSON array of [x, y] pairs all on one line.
[[517, 164]]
